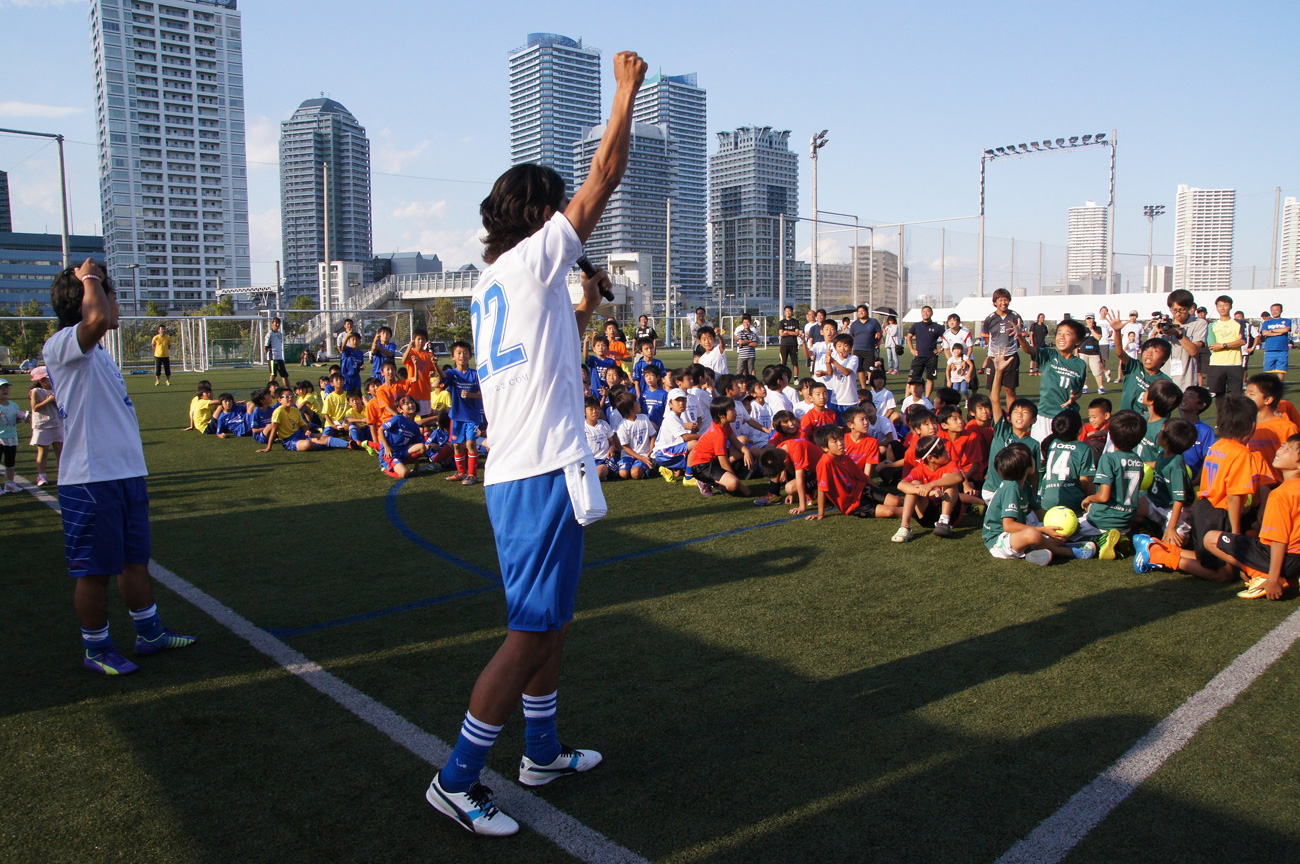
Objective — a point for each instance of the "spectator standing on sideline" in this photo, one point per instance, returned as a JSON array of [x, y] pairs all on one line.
[[1090, 351], [923, 338], [1107, 340], [273, 348], [893, 344], [1001, 333], [645, 331], [1038, 338], [1226, 374], [162, 356], [701, 320], [746, 340], [1275, 339], [866, 335], [954, 335], [1203, 355], [1187, 334], [789, 333]]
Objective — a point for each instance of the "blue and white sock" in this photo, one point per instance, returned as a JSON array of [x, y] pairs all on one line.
[[96, 640], [146, 621], [541, 742], [467, 760], [337, 442]]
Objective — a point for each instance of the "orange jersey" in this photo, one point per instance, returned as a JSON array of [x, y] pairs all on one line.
[[1282, 517], [922, 473], [420, 366], [710, 445], [376, 413], [1269, 436], [388, 394], [864, 452], [842, 481], [814, 418], [618, 350], [1286, 408], [1231, 468]]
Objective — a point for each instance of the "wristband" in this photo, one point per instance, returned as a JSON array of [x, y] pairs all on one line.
[[91, 276]]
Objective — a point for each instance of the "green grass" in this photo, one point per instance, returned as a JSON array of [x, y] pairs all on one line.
[[806, 691]]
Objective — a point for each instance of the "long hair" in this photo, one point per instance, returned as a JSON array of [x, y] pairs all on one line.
[[516, 207]]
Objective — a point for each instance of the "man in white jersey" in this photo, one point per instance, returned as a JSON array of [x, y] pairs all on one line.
[[274, 350], [102, 494], [527, 344]]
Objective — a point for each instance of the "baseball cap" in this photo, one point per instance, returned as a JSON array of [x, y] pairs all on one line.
[[3, 383], [676, 393], [39, 372]]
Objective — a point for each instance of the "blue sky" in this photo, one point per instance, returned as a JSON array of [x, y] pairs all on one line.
[[911, 93]]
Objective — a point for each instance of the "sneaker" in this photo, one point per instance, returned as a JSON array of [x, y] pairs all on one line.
[[1109, 540], [168, 639], [902, 535], [705, 490], [1084, 551], [942, 529], [1142, 553], [763, 501], [468, 481], [1085, 388], [108, 662], [1041, 557], [690, 481], [1101, 391], [156, 382], [667, 474], [453, 478], [569, 761], [1254, 589], [474, 809], [42, 480], [12, 487], [169, 382]]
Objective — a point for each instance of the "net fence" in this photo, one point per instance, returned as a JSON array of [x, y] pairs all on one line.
[[318, 332]]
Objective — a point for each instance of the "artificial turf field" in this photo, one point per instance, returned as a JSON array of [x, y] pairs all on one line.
[[792, 692]]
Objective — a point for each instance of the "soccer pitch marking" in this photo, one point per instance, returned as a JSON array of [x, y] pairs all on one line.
[[583, 843]]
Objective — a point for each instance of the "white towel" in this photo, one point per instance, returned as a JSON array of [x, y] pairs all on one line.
[[584, 491]]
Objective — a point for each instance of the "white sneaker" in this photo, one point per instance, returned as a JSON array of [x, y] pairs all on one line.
[[902, 535], [1041, 557], [12, 487], [569, 761], [474, 809], [42, 480]]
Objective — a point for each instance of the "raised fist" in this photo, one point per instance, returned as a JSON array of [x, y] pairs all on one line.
[[629, 69]]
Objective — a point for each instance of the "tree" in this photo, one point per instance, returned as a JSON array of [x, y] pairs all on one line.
[[25, 338], [446, 322], [224, 306], [153, 310], [303, 301]]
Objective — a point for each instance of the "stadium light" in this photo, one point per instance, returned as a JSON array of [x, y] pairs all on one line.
[[1151, 211], [1042, 146], [818, 142]]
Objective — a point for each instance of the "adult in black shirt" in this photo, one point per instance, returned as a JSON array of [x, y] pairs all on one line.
[[923, 338], [1038, 338], [789, 330], [866, 335], [1090, 351], [645, 331]]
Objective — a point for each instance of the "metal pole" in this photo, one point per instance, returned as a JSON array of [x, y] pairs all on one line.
[[1151, 239], [329, 276], [1040, 268], [780, 301], [943, 247], [277, 284], [668, 255], [1110, 247], [1274, 277], [812, 285], [63, 199], [871, 268], [979, 272], [1011, 284], [902, 296]]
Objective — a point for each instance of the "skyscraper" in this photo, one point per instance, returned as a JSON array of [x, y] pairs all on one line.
[[753, 180], [6, 219], [169, 104], [635, 218], [1290, 263], [554, 93], [680, 104], [323, 131], [1203, 223], [1085, 256], [879, 284]]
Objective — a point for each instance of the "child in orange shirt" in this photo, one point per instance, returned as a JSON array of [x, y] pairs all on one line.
[[1233, 481], [931, 488], [710, 461], [842, 483], [420, 365], [617, 347], [819, 414], [1272, 427]]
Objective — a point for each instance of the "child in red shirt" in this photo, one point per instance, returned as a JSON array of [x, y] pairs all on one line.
[[931, 488], [844, 485], [1097, 429], [791, 469], [710, 461], [819, 414], [858, 444]]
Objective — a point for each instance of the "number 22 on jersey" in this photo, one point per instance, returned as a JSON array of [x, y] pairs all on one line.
[[492, 314]]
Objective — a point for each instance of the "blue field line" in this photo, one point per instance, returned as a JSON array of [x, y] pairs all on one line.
[[390, 505], [286, 632], [618, 559]]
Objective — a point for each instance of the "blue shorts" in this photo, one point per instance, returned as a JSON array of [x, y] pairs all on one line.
[[291, 443], [1275, 361], [839, 412], [388, 464], [626, 463], [673, 458], [464, 431], [105, 526], [259, 437], [540, 556]]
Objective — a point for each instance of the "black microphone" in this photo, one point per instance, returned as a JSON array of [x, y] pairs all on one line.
[[589, 269]]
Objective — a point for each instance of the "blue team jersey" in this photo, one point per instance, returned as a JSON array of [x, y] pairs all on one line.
[[377, 358], [437, 438], [236, 422], [1275, 344], [466, 410], [400, 433], [1195, 457], [351, 364], [261, 416], [597, 366], [653, 403], [638, 370]]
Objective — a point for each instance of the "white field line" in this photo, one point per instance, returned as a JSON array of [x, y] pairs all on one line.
[[1059, 833], [563, 830]]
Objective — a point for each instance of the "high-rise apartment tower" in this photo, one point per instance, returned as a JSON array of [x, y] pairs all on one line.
[[1085, 255], [1289, 266], [554, 94], [1203, 223]]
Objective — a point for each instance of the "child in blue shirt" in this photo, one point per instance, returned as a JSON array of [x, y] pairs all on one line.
[[1195, 401], [466, 412], [654, 398], [645, 360], [402, 446], [351, 362], [597, 362]]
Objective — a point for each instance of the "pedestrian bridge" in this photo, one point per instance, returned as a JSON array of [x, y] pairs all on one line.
[[453, 284]]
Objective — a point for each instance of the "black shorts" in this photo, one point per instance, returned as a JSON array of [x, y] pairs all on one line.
[[933, 510], [871, 496], [162, 366], [866, 359], [1250, 552], [710, 472], [1011, 374], [1205, 517], [925, 367], [8, 453], [278, 369], [1225, 380]]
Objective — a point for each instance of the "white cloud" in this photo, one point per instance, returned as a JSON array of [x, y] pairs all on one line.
[[420, 210], [263, 143], [390, 158], [31, 109]]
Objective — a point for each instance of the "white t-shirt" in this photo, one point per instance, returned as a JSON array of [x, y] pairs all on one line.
[[1107, 334], [715, 360], [101, 435], [527, 346], [909, 400], [791, 396], [882, 430], [801, 408], [962, 337], [1136, 330], [636, 434], [818, 352], [844, 388], [597, 438], [671, 432], [762, 415], [884, 401], [697, 408], [779, 401], [275, 344]]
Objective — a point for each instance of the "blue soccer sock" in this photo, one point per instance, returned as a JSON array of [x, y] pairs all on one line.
[[541, 742], [337, 442], [146, 621], [96, 640], [466, 762]]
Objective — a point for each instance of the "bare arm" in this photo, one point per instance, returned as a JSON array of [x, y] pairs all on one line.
[[95, 306], [610, 161]]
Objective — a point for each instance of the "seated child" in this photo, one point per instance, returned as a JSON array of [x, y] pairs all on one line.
[[1166, 504], [710, 461], [598, 361], [931, 490], [260, 408], [1096, 432], [1015, 426], [1272, 427], [1195, 401], [636, 438], [819, 414], [859, 445], [308, 404], [791, 469], [1007, 532], [288, 427], [882, 397], [882, 430], [1112, 508], [599, 438], [844, 485], [980, 409], [232, 418], [946, 396], [804, 405], [401, 442], [916, 395], [358, 423], [760, 414], [776, 380], [1069, 465], [334, 408], [675, 440], [201, 408], [965, 450]]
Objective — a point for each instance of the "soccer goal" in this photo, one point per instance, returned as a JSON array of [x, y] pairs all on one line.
[[318, 332], [759, 323]]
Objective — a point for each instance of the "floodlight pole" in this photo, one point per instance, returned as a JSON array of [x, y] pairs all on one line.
[[1110, 248], [1151, 211], [780, 301], [818, 142], [63, 181], [979, 278]]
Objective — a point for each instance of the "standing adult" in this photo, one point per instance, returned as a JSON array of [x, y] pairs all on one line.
[[273, 349], [1001, 331], [162, 356], [1106, 341], [812, 333], [866, 335], [645, 331], [893, 344], [745, 338], [1248, 333], [1038, 338], [1275, 339], [701, 320], [1187, 334], [1090, 351], [789, 332], [1203, 355], [1130, 336], [923, 339], [1226, 374], [538, 455]]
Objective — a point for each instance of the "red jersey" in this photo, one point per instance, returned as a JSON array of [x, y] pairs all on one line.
[[710, 445], [985, 434], [419, 367], [814, 418], [864, 452], [967, 454], [804, 454], [778, 439], [842, 481], [922, 473]]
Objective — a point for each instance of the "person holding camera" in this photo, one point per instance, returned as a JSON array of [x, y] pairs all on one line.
[[1186, 334]]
